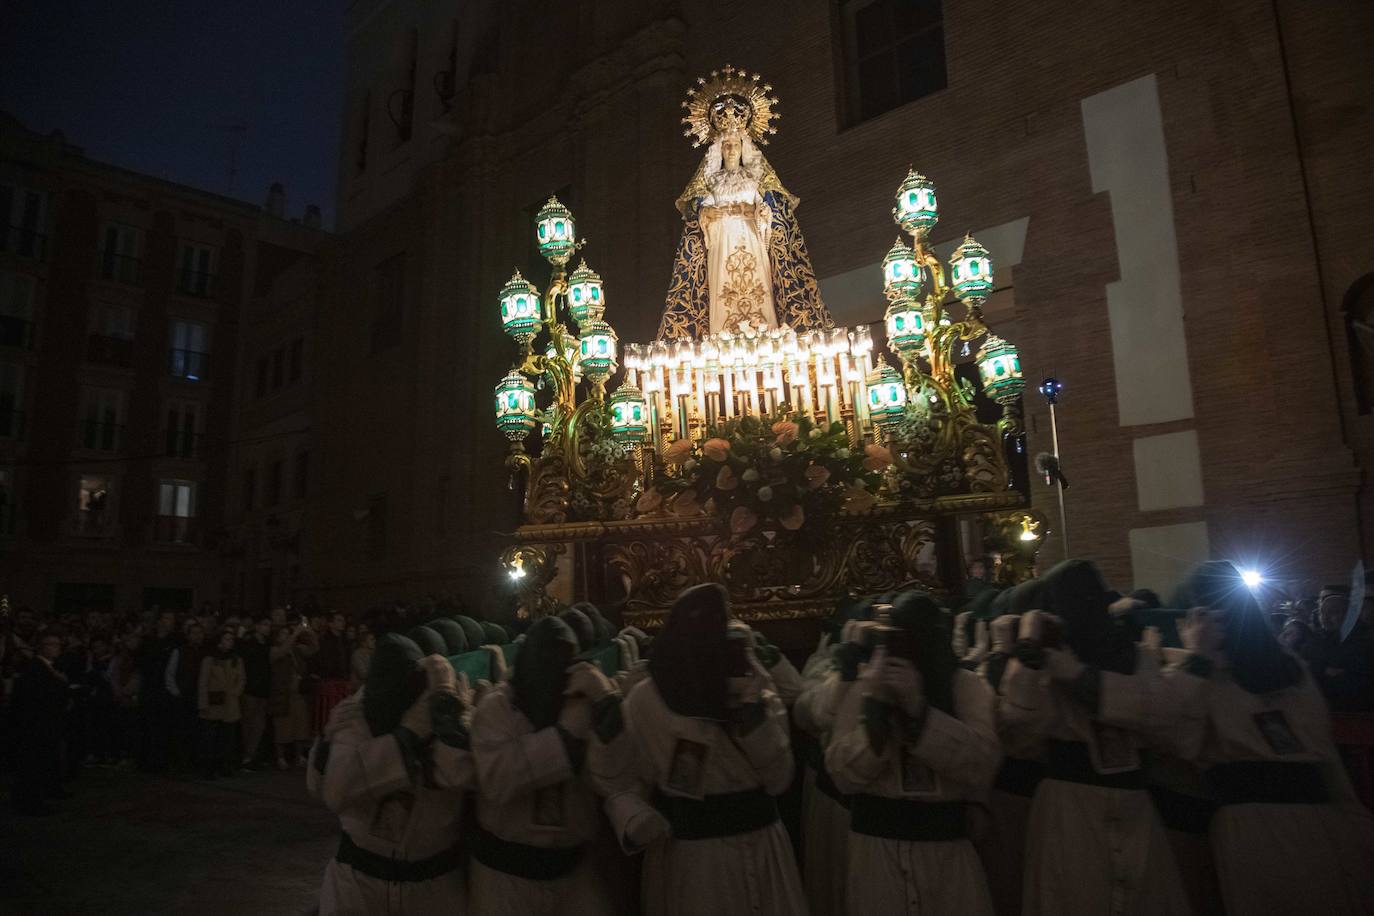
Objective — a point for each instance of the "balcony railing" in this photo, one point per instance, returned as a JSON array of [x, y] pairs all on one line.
[[121, 268], [110, 351], [183, 443], [11, 423], [16, 332], [191, 365], [201, 283], [24, 241], [102, 437], [174, 529]]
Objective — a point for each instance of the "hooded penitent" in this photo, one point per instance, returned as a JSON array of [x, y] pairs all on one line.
[[455, 642], [541, 671], [1258, 662], [581, 625], [1074, 592], [494, 634], [981, 606], [688, 658], [601, 627], [1024, 596], [476, 636], [394, 682], [430, 642], [918, 614]]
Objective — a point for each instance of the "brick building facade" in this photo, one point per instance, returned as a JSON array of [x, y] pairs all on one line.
[[122, 313], [1175, 196]]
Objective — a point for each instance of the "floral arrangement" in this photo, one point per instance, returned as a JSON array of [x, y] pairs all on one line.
[[754, 469]]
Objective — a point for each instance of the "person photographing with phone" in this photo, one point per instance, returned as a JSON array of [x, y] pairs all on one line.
[[912, 743]]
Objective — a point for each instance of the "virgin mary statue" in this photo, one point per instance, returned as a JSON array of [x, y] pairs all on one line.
[[742, 261]]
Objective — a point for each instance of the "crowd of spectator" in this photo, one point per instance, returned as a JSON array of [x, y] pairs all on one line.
[[196, 692]]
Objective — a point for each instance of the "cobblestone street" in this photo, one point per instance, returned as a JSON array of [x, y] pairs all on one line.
[[255, 843]]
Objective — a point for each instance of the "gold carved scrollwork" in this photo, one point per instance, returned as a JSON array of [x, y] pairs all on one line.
[[532, 568]]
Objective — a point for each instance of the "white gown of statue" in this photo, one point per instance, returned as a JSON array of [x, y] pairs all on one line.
[[737, 266]]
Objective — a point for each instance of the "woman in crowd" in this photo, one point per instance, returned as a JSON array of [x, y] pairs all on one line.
[[913, 742], [362, 658], [393, 763], [1094, 842], [536, 809], [125, 683], [219, 691], [709, 744], [291, 646]]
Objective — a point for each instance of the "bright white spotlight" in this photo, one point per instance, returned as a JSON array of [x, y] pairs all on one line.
[[1251, 578]]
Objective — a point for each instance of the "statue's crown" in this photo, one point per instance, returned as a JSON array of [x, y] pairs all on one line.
[[730, 102]]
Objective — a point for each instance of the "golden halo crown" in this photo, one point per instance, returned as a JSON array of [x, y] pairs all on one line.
[[730, 101]]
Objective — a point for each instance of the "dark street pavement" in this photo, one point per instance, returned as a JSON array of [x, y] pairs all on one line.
[[255, 843]]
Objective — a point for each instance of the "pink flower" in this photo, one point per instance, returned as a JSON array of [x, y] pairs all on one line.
[[649, 501], [876, 457], [677, 452], [793, 518], [742, 519], [786, 431], [858, 499], [716, 449], [726, 479], [685, 503], [816, 476]]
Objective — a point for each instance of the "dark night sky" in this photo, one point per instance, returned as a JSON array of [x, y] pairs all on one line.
[[144, 83]]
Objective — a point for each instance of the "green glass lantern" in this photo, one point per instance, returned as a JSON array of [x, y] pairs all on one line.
[[972, 271], [906, 328], [629, 414], [999, 366], [598, 350], [901, 274], [555, 232], [520, 311], [916, 210], [571, 352], [886, 396], [585, 296], [515, 412]]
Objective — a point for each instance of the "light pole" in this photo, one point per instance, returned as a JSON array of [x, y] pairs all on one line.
[[1050, 388]]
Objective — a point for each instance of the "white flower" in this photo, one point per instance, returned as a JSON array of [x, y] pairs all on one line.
[[841, 453], [689, 465], [765, 493], [750, 476], [775, 454], [814, 434]]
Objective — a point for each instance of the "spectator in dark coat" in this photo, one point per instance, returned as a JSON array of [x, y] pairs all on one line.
[[38, 711]]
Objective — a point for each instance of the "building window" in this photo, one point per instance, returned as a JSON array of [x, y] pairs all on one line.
[[274, 483], [11, 401], [301, 475], [894, 53], [94, 514], [120, 255], [260, 389], [278, 368], [21, 222], [102, 420], [184, 429], [176, 511], [112, 335], [297, 359], [376, 527], [190, 353], [196, 270], [250, 488], [16, 309], [388, 302]]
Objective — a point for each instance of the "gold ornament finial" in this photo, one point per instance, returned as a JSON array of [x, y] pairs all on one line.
[[730, 102]]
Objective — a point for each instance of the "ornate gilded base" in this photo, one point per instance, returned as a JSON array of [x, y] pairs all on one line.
[[639, 566]]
